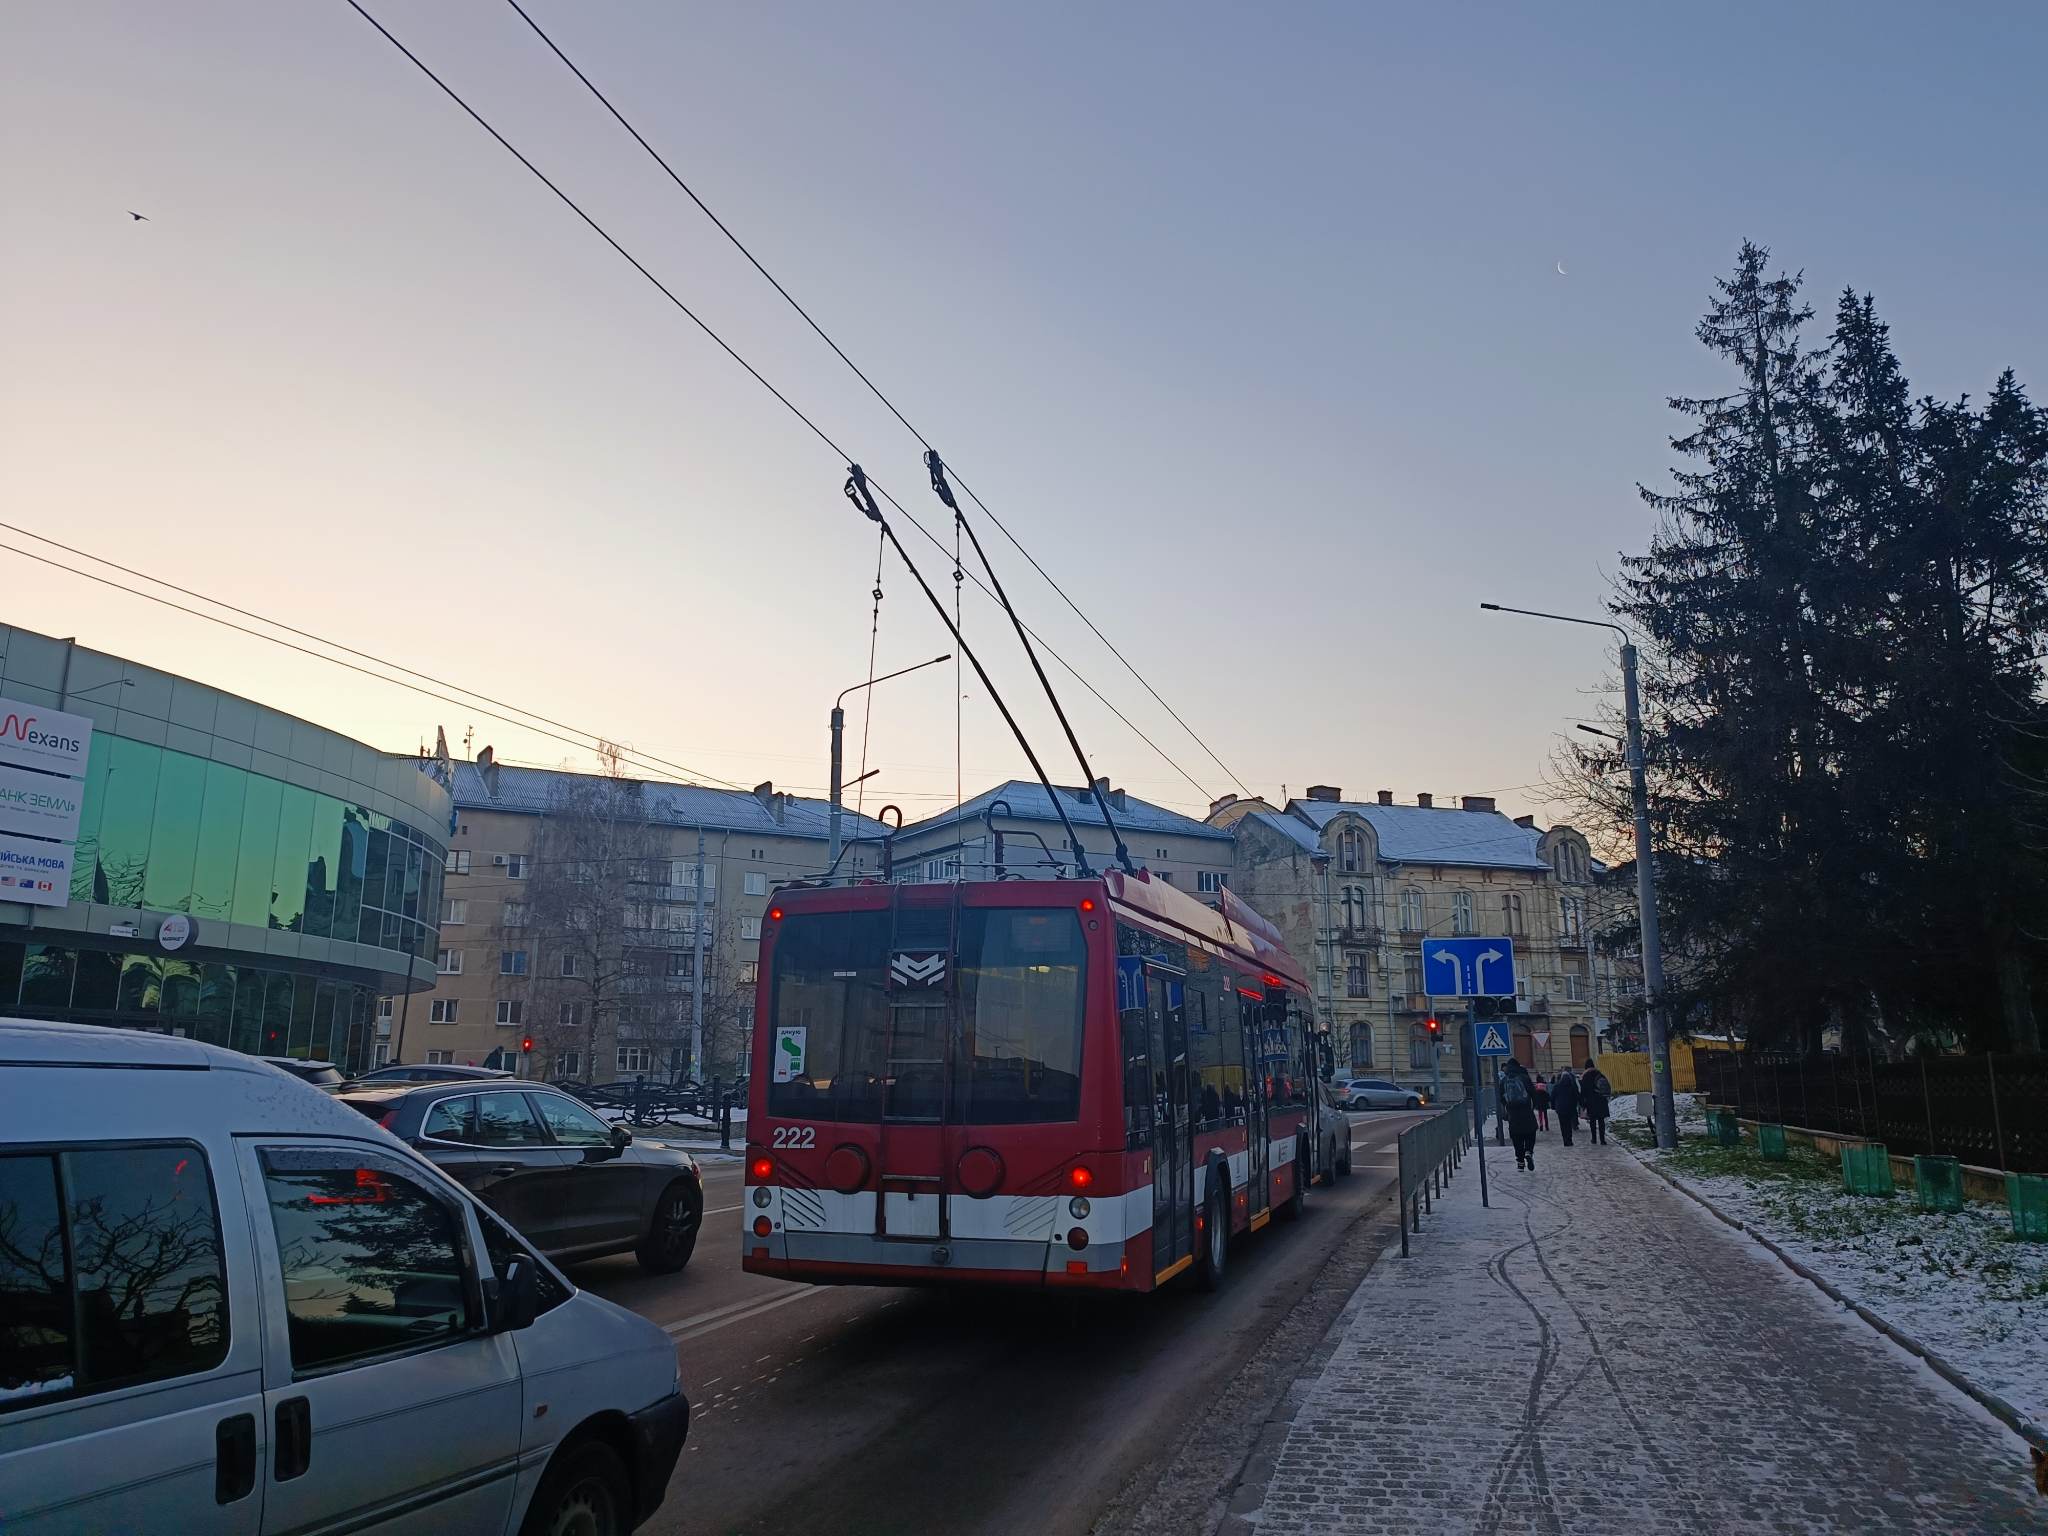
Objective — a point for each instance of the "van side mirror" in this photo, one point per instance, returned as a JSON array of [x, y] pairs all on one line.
[[516, 1301]]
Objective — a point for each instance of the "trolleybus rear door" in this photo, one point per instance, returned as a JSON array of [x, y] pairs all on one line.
[[916, 1075], [1173, 1126]]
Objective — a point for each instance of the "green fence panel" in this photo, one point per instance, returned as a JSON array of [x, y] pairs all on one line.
[[1937, 1183], [2027, 1195], [1728, 1129], [1867, 1169], [1770, 1141]]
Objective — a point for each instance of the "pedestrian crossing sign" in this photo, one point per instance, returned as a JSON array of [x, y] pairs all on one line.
[[1492, 1041]]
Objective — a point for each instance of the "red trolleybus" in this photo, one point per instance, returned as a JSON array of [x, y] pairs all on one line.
[[1077, 1082]]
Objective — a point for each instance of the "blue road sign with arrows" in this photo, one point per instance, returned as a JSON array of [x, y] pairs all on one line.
[[1490, 1038], [1468, 967]]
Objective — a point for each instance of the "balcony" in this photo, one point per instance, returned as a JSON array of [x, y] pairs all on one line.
[[1359, 938]]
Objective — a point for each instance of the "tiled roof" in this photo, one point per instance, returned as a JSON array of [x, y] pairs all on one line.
[[530, 791], [1414, 834], [1028, 802]]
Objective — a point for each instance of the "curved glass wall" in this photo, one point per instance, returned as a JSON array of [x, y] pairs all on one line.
[[251, 1008], [177, 833]]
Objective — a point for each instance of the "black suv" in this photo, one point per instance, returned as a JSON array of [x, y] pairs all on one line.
[[575, 1186]]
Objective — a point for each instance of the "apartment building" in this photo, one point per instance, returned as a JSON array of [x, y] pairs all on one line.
[[589, 997], [1356, 887]]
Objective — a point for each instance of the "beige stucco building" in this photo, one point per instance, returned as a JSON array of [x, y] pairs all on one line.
[[1357, 887]]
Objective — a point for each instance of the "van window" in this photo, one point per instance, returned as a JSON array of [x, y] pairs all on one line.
[[110, 1270], [373, 1261]]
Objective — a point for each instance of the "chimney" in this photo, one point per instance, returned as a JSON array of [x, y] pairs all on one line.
[[771, 802], [1426, 800], [1325, 792], [487, 770], [1217, 805], [1116, 798], [1526, 821], [1478, 803], [1386, 797]]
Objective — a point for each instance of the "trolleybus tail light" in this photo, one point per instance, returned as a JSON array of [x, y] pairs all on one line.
[[762, 1168], [1078, 1207], [1080, 1177], [775, 914], [1087, 903], [762, 1226]]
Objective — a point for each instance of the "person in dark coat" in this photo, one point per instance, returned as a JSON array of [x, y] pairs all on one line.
[[1518, 1108], [1564, 1098], [1541, 1092], [1594, 1092]]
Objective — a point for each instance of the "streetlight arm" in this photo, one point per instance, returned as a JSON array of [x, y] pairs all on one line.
[[1562, 618], [899, 672]]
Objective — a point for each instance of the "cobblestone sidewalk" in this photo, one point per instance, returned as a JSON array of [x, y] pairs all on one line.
[[1597, 1354]]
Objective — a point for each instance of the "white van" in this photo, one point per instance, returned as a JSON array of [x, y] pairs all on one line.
[[229, 1304]]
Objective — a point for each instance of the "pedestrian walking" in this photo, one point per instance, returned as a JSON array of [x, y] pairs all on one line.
[[1518, 1108], [1564, 1098], [1540, 1092], [1594, 1092]]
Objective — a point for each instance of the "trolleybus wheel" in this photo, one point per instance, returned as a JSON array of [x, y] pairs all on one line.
[[1290, 1209], [1215, 1241]]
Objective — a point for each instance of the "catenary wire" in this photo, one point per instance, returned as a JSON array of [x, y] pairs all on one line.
[[873, 388], [753, 372], [306, 634]]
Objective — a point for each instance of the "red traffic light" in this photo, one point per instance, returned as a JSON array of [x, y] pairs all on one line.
[[1435, 1028], [526, 1044]]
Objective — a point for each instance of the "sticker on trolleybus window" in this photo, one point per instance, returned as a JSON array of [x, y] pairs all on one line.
[[789, 1053]]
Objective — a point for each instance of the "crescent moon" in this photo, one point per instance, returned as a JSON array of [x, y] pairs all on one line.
[[1561, 271]]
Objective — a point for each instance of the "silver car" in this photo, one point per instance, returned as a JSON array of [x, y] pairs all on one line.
[[1379, 1093]]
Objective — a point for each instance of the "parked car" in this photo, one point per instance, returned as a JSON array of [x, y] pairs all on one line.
[[288, 1319], [321, 1074], [574, 1186], [1333, 1129], [424, 1072], [1379, 1093]]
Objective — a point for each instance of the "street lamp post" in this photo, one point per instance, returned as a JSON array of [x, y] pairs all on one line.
[[1665, 1111], [1326, 960], [838, 740]]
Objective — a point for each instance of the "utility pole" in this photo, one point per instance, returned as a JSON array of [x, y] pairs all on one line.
[[697, 971], [1664, 1110]]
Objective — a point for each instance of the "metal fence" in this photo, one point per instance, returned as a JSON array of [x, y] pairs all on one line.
[[1430, 1152], [1988, 1110]]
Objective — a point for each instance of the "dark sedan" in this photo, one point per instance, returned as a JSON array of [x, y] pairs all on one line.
[[576, 1187], [425, 1072]]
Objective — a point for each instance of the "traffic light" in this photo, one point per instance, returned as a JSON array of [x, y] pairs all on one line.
[[526, 1045], [1436, 1029]]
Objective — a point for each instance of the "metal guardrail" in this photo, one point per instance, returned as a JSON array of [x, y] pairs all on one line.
[[1430, 1153]]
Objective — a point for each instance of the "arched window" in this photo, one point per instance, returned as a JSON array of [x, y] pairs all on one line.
[[1524, 1045], [1411, 911], [1351, 850], [1582, 1045], [1461, 911], [1361, 1045], [1511, 914], [1571, 920]]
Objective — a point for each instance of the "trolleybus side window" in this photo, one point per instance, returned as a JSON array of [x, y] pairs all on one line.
[[830, 1015], [1023, 996], [1137, 1053]]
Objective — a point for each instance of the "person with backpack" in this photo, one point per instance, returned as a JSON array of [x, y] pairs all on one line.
[[1595, 1091], [1564, 1098], [1518, 1108]]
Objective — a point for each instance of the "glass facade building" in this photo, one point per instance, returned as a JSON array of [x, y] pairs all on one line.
[[309, 865]]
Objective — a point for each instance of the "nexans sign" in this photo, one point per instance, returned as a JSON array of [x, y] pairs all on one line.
[[47, 739]]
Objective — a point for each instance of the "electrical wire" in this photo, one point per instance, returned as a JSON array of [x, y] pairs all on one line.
[[873, 389]]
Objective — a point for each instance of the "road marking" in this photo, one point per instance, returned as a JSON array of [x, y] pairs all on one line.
[[714, 1381], [720, 1210], [739, 1311]]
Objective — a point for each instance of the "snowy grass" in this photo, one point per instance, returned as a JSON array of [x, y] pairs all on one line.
[[1960, 1283]]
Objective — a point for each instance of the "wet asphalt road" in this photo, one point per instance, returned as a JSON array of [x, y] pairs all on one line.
[[859, 1410]]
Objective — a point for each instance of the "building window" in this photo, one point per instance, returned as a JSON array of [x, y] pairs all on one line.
[[1357, 979], [750, 927], [682, 962], [511, 962], [1165, 875], [1571, 920], [636, 1058], [567, 1065], [750, 973], [1574, 987], [449, 963], [517, 865], [1411, 911], [1421, 1049], [1511, 914], [942, 869], [454, 910], [458, 861], [1361, 1045], [1209, 881], [1411, 971], [511, 1010], [1351, 850], [384, 1010], [1461, 911], [442, 1010], [1357, 915], [440, 1058], [756, 883], [568, 965], [513, 914]]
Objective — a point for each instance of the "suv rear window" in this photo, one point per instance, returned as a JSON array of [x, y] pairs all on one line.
[[111, 1270]]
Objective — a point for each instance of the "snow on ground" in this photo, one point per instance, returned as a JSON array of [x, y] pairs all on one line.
[[1959, 1283]]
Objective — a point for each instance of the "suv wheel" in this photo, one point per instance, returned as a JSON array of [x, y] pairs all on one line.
[[672, 1230]]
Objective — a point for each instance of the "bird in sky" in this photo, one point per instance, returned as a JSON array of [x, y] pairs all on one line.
[[140, 218], [1561, 271]]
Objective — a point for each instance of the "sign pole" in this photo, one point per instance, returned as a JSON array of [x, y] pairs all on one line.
[[1471, 1056]]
